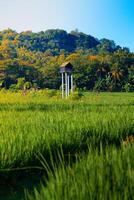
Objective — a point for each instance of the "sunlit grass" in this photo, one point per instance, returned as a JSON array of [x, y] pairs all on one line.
[[104, 174], [37, 124]]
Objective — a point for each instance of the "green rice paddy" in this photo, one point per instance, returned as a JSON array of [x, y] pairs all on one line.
[[66, 149]]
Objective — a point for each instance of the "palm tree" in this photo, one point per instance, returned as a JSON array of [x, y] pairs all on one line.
[[116, 72]]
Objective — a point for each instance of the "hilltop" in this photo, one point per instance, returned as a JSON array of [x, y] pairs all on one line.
[[57, 41], [30, 59]]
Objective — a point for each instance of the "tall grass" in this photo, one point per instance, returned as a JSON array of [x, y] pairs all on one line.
[[26, 129], [36, 124], [99, 175]]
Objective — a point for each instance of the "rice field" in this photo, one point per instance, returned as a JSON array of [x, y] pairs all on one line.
[[80, 148]]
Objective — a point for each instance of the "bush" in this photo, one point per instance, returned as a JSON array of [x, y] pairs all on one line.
[[13, 87], [51, 93], [100, 85], [20, 84], [27, 85], [128, 87], [76, 95]]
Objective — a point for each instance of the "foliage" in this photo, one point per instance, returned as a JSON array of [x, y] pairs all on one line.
[[128, 87], [36, 57], [20, 84], [76, 95]]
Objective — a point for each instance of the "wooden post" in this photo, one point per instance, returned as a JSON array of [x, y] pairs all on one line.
[[71, 83], [66, 83], [62, 85]]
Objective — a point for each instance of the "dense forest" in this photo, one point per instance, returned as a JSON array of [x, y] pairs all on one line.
[[32, 60]]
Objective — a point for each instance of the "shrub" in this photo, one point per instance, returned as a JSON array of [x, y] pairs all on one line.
[[13, 87], [128, 87], [100, 85], [27, 85], [51, 93], [20, 83], [76, 95]]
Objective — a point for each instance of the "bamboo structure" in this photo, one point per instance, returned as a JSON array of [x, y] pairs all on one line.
[[67, 79]]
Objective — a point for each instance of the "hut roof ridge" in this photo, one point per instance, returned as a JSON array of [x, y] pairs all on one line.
[[65, 64]]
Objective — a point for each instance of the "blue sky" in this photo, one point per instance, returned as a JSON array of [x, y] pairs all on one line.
[[112, 19]]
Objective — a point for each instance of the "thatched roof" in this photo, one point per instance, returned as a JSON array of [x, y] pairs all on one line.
[[67, 64]]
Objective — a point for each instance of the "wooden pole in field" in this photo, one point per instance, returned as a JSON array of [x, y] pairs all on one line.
[[66, 83], [71, 83], [62, 85]]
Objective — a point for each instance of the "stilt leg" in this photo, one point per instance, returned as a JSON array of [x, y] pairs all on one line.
[[66, 83], [62, 85], [72, 83]]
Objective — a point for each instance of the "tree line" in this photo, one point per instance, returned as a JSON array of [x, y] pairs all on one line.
[[32, 60]]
